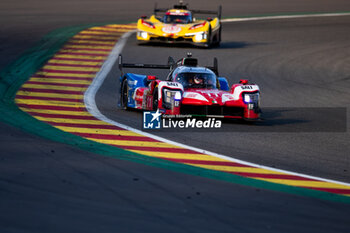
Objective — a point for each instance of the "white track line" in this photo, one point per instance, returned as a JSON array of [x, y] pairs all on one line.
[[90, 103], [283, 17]]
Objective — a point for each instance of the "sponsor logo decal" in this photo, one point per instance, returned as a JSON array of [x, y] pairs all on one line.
[[247, 87], [171, 29], [151, 120]]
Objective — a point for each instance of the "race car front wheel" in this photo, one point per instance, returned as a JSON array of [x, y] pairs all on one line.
[[124, 94]]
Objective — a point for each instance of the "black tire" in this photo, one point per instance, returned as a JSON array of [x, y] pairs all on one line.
[[208, 44], [124, 94], [155, 99], [217, 38]]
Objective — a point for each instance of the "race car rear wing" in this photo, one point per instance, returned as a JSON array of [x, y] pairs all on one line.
[[189, 61], [180, 6], [184, 7], [205, 12], [141, 65]]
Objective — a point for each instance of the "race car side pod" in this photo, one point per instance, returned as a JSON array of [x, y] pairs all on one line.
[[139, 65]]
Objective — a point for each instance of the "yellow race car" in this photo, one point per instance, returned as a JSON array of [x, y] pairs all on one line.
[[178, 25]]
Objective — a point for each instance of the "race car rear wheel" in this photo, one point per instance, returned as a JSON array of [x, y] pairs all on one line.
[[124, 94], [155, 99]]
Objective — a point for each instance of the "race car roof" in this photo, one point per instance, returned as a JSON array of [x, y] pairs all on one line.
[[188, 69], [178, 12]]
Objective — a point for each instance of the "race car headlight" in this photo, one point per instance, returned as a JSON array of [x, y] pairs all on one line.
[[171, 95], [168, 95], [171, 98], [246, 98], [177, 96], [144, 35], [250, 98], [200, 36]]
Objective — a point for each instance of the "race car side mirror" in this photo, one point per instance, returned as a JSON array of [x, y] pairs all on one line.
[[243, 81], [151, 77]]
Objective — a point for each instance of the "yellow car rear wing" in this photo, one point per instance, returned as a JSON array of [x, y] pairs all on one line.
[[182, 6]]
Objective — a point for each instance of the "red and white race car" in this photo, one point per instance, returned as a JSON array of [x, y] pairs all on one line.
[[188, 90]]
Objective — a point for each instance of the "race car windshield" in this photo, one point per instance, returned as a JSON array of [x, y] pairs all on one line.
[[182, 19], [197, 80]]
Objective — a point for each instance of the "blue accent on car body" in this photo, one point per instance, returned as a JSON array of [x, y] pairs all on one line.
[[223, 84], [133, 81]]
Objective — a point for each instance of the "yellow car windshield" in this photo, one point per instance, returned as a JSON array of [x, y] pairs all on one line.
[[181, 19]]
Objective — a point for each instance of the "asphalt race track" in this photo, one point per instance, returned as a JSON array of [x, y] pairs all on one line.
[[302, 68], [291, 72]]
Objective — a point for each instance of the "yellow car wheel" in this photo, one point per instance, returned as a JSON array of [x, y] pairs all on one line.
[[208, 43]]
